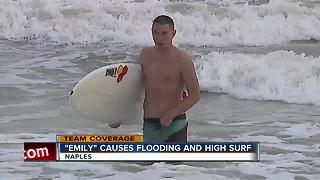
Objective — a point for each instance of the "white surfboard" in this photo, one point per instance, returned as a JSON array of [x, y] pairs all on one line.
[[112, 94]]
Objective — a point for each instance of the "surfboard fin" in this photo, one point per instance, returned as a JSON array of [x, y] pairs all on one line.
[[115, 125]]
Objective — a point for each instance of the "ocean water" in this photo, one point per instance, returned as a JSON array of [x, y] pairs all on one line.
[[258, 64]]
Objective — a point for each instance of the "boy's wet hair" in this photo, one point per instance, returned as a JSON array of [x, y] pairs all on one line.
[[163, 19]]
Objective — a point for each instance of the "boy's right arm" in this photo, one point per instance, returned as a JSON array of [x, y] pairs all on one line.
[[141, 56]]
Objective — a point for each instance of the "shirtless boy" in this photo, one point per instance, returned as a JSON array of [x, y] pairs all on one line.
[[167, 70]]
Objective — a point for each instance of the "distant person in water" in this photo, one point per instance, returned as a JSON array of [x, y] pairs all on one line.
[[167, 70]]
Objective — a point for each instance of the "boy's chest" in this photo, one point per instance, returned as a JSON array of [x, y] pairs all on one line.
[[161, 70]]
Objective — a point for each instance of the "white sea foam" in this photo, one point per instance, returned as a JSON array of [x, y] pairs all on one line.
[[24, 137], [258, 138], [280, 76], [199, 23], [305, 130]]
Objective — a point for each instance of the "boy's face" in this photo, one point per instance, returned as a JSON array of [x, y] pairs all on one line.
[[162, 35]]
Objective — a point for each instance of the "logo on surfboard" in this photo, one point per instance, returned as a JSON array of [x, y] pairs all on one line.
[[117, 72]]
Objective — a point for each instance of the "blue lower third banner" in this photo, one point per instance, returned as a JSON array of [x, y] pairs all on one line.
[[192, 151]]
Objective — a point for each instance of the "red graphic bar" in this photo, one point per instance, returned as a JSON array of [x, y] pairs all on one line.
[[34, 151]]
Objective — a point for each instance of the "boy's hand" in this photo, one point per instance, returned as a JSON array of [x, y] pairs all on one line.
[[166, 119]]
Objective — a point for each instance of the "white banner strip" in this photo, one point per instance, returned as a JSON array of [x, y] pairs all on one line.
[[158, 156]]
